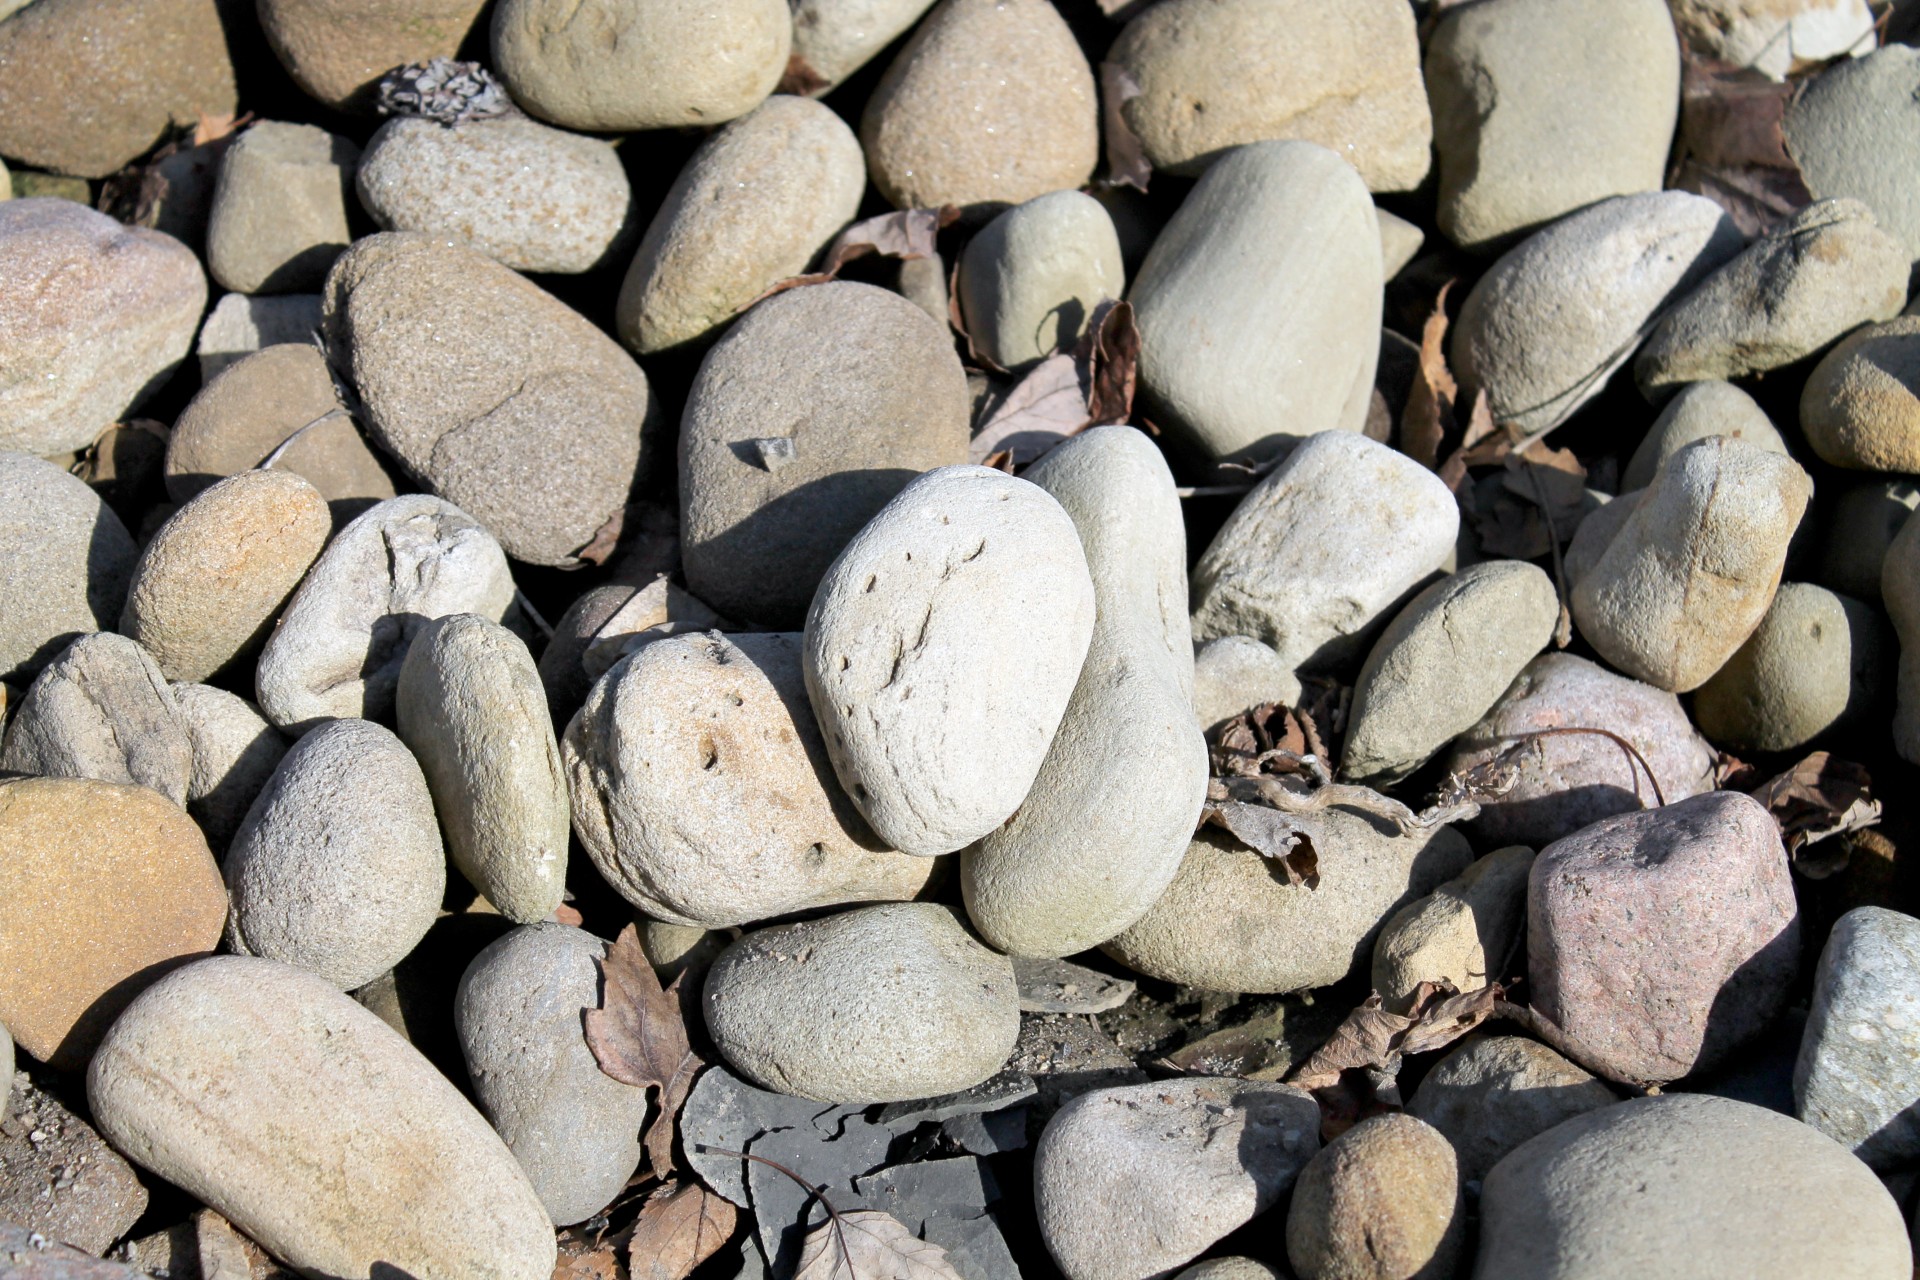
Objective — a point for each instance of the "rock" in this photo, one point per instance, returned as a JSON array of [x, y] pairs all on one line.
[[337, 50], [989, 102], [1860, 408], [1751, 1192], [1815, 660], [1229, 1269], [1653, 996], [876, 1004], [1900, 591], [1856, 1079], [1005, 1089], [279, 215], [338, 867], [532, 197], [1031, 279], [1231, 922], [1699, 410], [1383, 1200], [1563, 782], [1851, 134], [725, 1113], [6, 1067], [59, 1180], [832, 39], [946, 1202], [101, 710], [562, 662], [1400, 240], [1214, 74], [1492, 1093], [228, 1076], [191, 173], [1057, 986], [103, 886], [1856, 531], [1107, 820], [343, 636], [1137, 1181], [1464, 932], [1232, 674], [1823, 271], [94, 318], [1442, 662], [253, 409], [235, 751], [1772, 38], [810, 415], [753, 207], [1259, 305], [1541, 108], [1691, 571], [88, 88], [916, 607], [65, 561], [1322, 549], [573, 1128], [239, 325], [657, 610], [208, 586], [672, 949], [1538, 359]]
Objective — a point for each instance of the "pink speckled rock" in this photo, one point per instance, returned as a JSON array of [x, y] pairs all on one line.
[[1660, 940]]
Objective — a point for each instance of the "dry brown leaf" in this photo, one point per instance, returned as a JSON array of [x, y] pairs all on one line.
[[1282, 838], [958, 319], [1115, 357], [1481, 445], [903, 234], [869, 1245], [1374, 1040], [800, 78], [1045, 407], [1127, 163], [564, 914], [1428, 418], [1270, 738], [1818, 798], [604, 539], [680, 1226], [212, 128], [639, 1036], [1553, 480], [1732, 146]]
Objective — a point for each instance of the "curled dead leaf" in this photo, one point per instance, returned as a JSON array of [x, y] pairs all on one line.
[[1818, 798], [680, 1226], [604, 540], [1115, 360], [639, 1036], [903, 234], [1732, 146], [1353, 1074]]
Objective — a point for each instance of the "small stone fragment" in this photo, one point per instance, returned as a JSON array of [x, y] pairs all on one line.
[[1381, 1202], [279, 215], [240, 324], [1699, 410], [102, 710], [1774, 38], [1059, 986], [1464, 932], [832, 39], [58, 1179], [1493, 1093], [235, 751], [1232, 674], [1031, 280]]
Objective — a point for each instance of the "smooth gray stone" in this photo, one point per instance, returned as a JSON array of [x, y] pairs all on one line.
[[1060, 986], [993, 1094], [989, 1133], [1853, 132], [783, 1212], [1858, 1076], [102, 710], [724, 1112], [946, 1202], [65, 562]]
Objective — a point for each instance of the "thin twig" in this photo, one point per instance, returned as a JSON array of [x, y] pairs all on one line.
[[1212, 490], [279, 449], [1562, 632], [526, 607], [1633, 754]]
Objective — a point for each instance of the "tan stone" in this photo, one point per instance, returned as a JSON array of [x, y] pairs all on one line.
[[1381, 1202], [1861, 406], [338, 49]]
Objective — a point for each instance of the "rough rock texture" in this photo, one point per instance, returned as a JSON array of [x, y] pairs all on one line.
[[1856, 1079], [1861, 405], [1031, 279], [811, 414], [1217, 73], [58, 1179], [1815, 660], [832, 39], [1136, 1181], [990, 101], [1229, 1269], [102, 886], [1259, 305], [240, 324], [1381, 1202], [1232, 674], [1463, 932], [230, 1075], [337, 50], [876, 1004], [94, 317], [1752, 1193], [1656, 995], [935, 734], [65, 561], [497, 396], [1770, 36], [1493, 1093], [1853, 133], [101, 710], [1900, 591], [1699, 410], [279, 215], [235, 751]]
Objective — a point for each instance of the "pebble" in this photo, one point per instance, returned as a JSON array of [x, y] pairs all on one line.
[[1816, 663], [1031, 280], [1232, 674], [1542, 107], [94, 317], [470, 707], [989, 102], [1139, 1180], [876, 1004], [1229, 1269], [253, 408], [1400, 240], [1539, 359], [88, 89], [1214, 74], [1850, 134], [230, 1077], [65, 561], [832, 39], [654, 612], [279, 215], [341, 639], [59, 1180], [102, 886], [208, 586], [1900, 591], [1058, 986], [235, 751], [1259, 305], [1564, 782], [526, 195], [1858, 1075], [1492, 1093], [562, 662], [1656, 995], [1691, 571], [754, 206], [101, 710], [338, 867], [810, 415], [1463, 932], [991, 609], [1855, 531], [703, 794], [240, 324], [1751, 1193], [1861, 405], [1322, 549], [1696, 411], [1231, 922], [337, 50], [629, 65], [574, 1129], [1442, 662], [1773, 38], [1825, 270], [1381, 1202]]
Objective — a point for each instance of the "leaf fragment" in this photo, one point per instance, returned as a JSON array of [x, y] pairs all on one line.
[[1816, 799], [866, 1244], [1732, 145], [1043, 408], [681, 1225], [1354, 1073], [903, 234], [639, 1036], [1115, 358]]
